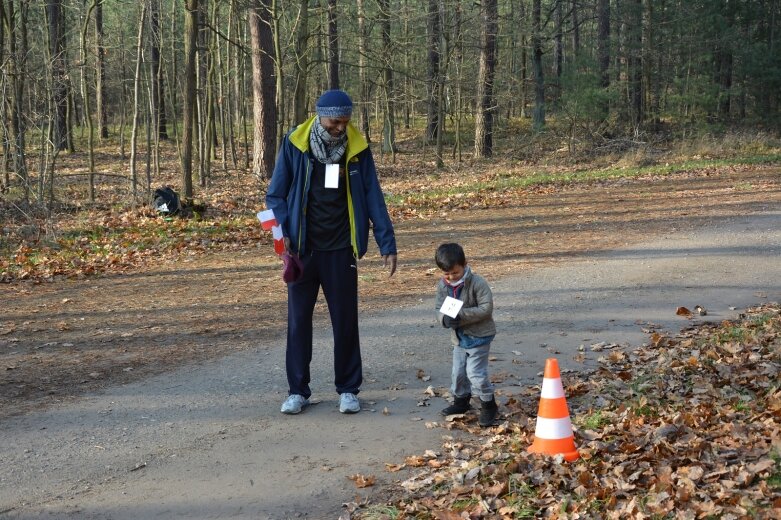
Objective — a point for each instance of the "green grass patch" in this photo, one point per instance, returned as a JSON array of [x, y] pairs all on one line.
[[732, 334], [644, 410], [597, 506], [774, 479], [762, 319], [504, 181], [521, 497], [380, 512], [594, 421], [640, 385], [463, 503]]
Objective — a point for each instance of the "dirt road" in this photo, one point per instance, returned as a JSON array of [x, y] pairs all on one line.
[[208, 441]]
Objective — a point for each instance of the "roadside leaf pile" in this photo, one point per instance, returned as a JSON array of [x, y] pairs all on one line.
[[685, 427], [120, 242]]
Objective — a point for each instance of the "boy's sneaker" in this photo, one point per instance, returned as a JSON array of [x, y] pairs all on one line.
[[348, 403], [294, 404]]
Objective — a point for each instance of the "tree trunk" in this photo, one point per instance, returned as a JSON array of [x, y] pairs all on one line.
[[17, 72], [725, 83], [723, 63], [122, 98], [485, 81], [210, 127], [524, 62], [174, 64], [408, 102], [575, 29], [224, 100], [188, 102], [443, 73], [636, 63], [539, 81], [70, 115], [87, 105], [239, 85], [558, 45], [300, 109], [511, 94], [333, 47], [363, 49], [434, 30], [651, 56], [263, 87], [4, 114], [201, 57], [603, 48], [279, 93], [100, 74], [137, 100], [389, 124], [458, 61], [156, 68], [229, 71], [59, 82], [321, 52]]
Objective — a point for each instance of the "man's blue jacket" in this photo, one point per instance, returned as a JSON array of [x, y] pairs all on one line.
[[288, 191]]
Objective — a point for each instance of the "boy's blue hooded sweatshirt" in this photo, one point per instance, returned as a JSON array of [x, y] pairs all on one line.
[[288, 191]]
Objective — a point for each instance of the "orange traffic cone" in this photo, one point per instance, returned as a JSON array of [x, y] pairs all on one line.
[[553, 434]]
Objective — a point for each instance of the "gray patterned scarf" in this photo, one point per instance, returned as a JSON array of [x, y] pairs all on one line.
[[326, 148]]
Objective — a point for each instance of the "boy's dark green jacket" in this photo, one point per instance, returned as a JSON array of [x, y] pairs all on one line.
[[288, 191]]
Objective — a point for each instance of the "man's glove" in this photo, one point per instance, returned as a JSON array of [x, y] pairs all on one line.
[[450, 323]]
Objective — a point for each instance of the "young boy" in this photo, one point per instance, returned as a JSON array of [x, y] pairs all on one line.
[[472, 332]]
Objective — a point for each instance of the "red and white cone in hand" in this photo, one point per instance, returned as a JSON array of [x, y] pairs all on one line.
[[269, 222], [553, 433]]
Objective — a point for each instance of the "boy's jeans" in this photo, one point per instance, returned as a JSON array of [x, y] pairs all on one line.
[[470, 372]]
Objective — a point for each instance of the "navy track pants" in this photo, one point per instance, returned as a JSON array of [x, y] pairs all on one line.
[[337, 273]]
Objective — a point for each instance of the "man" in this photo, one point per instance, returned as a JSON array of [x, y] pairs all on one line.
[[324, 193]]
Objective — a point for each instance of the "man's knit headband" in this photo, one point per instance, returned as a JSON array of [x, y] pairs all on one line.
[[345, 111], [334, 103]]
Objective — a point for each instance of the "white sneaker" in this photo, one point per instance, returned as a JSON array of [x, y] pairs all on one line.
[[294, 404], [348, 403]]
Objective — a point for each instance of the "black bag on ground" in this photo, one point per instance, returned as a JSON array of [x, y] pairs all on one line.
[[166, 201]]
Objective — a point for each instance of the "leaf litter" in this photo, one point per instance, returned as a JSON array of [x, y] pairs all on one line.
[[684, 428]]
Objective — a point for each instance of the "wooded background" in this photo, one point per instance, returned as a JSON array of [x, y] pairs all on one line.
[[225, 79]]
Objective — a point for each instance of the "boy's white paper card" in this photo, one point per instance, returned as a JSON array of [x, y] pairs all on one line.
[[451, 306], [331, 175]]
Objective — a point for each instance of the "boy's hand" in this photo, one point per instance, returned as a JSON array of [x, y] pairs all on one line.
[[450, 323]]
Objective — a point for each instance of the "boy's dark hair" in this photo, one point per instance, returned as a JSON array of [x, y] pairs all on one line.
[[449, 255]]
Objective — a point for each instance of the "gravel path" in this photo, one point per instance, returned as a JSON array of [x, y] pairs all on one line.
[[208, 441]]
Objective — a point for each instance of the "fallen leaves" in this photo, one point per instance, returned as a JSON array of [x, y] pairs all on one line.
[[683, 311], [363, 481], [118, 242], [421, 374], [690, 426]]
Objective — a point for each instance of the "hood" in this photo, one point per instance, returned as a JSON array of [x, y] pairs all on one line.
[[356, 143]]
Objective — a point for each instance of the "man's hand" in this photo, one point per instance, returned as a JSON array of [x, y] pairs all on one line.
[[287, 244], [450, 323], [390, 259]]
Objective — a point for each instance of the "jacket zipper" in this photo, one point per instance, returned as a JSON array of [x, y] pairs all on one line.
[[307, 177]]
